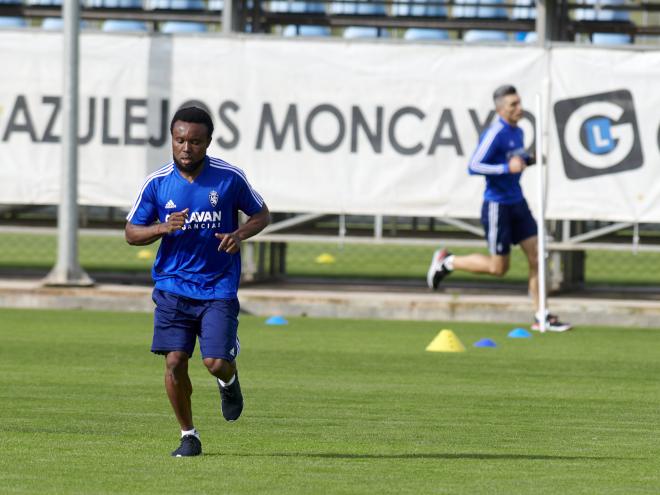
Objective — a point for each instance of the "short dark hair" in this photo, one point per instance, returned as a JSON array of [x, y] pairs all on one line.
[[194, 115], [502, 91]]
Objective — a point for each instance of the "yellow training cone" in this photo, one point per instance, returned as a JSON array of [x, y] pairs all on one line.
[[446, 341], [145, 254], [325, 259]]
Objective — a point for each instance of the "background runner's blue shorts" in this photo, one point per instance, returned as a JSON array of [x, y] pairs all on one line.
[[179, 321], [506, 224]]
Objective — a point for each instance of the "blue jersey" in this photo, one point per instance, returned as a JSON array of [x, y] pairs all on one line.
[[188, 262], [497, 145]]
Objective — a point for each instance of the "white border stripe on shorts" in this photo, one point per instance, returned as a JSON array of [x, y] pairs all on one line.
[[493, 210]]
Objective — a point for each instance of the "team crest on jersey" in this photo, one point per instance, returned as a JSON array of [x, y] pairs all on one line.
[[213, 198]]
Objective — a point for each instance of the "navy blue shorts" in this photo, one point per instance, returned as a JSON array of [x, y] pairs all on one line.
[[179, 321], [506, 224]]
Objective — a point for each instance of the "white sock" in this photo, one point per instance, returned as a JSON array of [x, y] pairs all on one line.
[[193, 432], [539, 315], [449, 262], [226, 384]]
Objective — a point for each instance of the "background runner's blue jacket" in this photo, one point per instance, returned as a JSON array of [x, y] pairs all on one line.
[[497, 145]]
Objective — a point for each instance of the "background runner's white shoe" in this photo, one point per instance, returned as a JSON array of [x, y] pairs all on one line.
[[552, 324], [437, 270]]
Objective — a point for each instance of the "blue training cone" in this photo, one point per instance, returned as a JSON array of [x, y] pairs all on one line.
[[276, 320], [520, 333], [485, 343]]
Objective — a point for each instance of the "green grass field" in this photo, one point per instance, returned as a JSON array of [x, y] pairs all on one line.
[[332, 407], [412, 262], [103, 254]]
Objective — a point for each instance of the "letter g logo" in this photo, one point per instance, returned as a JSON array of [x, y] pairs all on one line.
[[598, 134]]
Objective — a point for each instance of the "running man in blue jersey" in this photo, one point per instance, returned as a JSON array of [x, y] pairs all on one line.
[[191, 205], [501, 158]]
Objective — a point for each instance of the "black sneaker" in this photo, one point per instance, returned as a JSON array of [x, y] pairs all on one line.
[[552, 324], [190, 446], [231, 400], [437, 270]]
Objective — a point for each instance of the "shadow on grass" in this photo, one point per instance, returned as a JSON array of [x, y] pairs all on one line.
[[458, 455]]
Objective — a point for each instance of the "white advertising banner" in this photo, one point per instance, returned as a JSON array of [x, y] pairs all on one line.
[[604, 160], [112, 72], [326, 125], [318, 125]]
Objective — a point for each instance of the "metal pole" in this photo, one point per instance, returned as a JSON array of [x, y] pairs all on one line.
[[67, 270], [378, 227], [541, 214], [228, 14], [541, 23], [546, 21]]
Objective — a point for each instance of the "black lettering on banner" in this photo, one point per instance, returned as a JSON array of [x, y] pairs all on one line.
[[224, 118], [375, 137], [106, 137], [325, 148], [130, 119], [446, 119], [392, 136], [20, 109], [290, 121], [478, 126], [48, 136], [159, 141], [91, 119]]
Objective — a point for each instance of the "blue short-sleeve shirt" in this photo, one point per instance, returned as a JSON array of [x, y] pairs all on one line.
[[188, 262]]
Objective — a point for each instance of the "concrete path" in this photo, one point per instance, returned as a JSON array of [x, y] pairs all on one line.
[[353, 301]]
